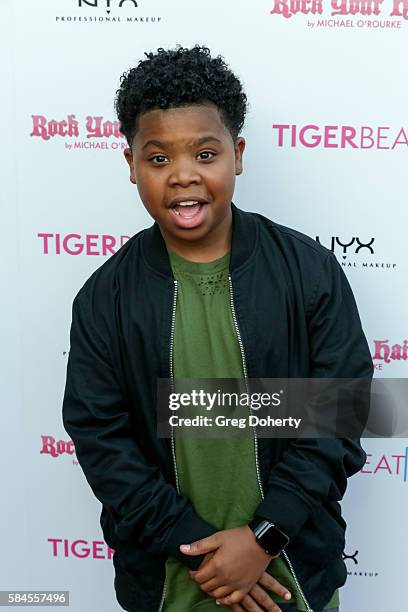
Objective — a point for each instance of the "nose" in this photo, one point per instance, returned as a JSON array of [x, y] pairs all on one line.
[[184, 172]]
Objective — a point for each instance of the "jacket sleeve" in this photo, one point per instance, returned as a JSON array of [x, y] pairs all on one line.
[[145, 508], [314, 470]]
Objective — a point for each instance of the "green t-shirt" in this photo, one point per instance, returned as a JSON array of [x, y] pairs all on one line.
[[206, 346]]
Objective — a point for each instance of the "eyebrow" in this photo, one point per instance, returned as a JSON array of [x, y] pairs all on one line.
[[202, 140]]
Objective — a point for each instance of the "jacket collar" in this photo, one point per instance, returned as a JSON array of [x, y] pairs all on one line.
[[244, 239]]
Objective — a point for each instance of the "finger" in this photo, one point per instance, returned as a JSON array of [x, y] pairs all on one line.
[[209, 586], [200, 547], [249, 603], [263, 599], [221, 592], [204, 562], [237, 608], [205, 574], [232, 598], [272, 584]]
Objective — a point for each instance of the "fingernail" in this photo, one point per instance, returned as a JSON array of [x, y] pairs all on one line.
[[185, 547], [217, 602], [288, 595]]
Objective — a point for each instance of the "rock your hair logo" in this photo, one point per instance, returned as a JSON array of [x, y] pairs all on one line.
[[369, 14], [93, 132], [387, 352]]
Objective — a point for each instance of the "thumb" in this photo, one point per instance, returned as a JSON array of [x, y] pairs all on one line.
[[200, 547]]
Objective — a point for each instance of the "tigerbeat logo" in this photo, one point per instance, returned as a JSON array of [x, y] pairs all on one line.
[[80, 244], [389, 464], [80, 548]]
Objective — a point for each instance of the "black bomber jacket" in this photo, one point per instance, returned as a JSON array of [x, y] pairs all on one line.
[[296, 316]]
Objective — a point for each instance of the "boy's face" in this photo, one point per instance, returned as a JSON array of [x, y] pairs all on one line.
[[193, 158]]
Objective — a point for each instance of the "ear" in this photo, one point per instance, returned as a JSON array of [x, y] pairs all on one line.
[[239, 147], [129, 158]]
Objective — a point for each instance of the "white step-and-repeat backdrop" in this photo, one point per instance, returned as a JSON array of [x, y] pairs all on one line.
[[327, 141]]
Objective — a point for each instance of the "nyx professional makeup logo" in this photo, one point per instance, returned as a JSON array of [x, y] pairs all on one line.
[[108, 4], [107, 11], [355, 244], [356, 571], [353, 557], [354, 252]]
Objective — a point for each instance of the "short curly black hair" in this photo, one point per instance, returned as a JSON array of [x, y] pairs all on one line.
[[180, 77]]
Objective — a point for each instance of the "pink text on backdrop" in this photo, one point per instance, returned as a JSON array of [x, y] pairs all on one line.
[[338, 136], [384, 352], [82, 549], [288, 8], [394, 464], [75, 244], [56, 448], [95, 126], [48, 129]]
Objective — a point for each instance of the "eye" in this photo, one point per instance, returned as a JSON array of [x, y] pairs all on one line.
[[160, 158], [207, 153]]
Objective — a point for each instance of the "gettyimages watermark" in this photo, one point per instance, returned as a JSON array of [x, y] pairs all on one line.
[[282, 407]]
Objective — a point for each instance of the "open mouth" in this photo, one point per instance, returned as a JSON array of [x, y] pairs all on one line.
[[187, 209]]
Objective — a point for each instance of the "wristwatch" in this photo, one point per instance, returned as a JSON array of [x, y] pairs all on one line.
[[269, 536]]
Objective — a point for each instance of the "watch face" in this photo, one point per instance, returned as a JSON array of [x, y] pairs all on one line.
[[272, 540]]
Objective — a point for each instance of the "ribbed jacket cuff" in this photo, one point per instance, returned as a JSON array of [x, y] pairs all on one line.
[[286, 509], [189, 528]]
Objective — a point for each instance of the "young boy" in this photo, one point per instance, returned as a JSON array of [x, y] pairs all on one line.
[[208, 291]]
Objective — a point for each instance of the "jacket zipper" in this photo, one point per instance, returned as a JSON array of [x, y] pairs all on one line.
[[241, 346], [173, 323]]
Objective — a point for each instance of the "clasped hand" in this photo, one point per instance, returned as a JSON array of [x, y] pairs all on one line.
[[232, 567]]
